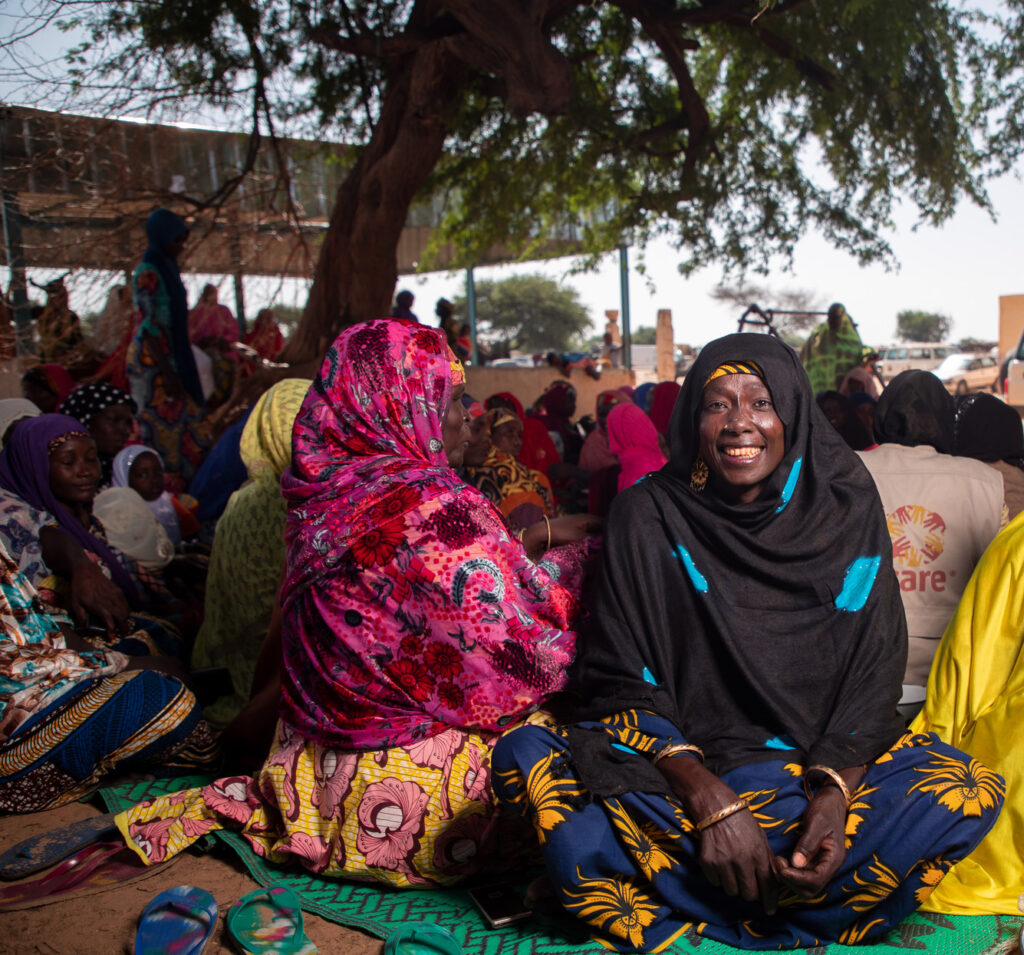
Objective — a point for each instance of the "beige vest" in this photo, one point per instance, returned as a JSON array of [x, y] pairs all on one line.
[[942, 512]]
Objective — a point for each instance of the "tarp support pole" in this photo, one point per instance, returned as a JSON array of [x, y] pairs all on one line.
[[471, 314], [627, 346]]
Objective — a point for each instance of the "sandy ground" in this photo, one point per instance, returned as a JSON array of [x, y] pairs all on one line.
[[102, 921]]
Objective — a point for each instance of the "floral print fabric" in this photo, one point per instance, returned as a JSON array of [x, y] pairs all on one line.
[[409, 608], [36, 666], [521, 494], [174, 426], [20, 524], [415, 815], [628, 863]]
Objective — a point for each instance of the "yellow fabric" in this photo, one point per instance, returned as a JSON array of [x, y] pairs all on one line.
[[266, 445], [496, 417], [735, 368], [248, 551], [975, 702], [408, 816]]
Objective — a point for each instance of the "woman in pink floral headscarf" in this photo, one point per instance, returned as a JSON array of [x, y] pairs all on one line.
[[415, 631]]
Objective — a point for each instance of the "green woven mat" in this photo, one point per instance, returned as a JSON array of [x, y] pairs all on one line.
[[379, 910]]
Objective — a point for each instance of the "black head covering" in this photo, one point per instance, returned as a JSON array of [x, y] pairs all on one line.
[[766, 630], [987, 429], [92, 398], [162, 228], [849, 426], [914, 409]]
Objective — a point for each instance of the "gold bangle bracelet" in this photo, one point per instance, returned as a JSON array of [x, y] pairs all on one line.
[[833, 776], [547, 524], [722, 813], [674, 748]]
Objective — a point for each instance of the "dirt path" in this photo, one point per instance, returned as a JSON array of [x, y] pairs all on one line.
[[102, 921]]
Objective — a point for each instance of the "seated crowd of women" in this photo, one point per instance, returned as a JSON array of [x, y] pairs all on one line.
[[688, 713]]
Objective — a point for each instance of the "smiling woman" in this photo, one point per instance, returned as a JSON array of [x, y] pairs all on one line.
[[108, 415], [51, 470], [742, 440], [738, 765]]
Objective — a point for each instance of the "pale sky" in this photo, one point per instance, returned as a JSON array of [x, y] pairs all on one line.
[[959, 270]]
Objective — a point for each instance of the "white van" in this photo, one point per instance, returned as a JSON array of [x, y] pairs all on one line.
[[923, 356]]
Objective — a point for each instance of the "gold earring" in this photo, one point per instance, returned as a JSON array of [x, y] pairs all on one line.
[[698, 475]]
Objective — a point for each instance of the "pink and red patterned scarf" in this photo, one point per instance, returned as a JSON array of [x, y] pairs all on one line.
[[408, 606]]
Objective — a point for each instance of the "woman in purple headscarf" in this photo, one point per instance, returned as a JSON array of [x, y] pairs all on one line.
[[49, 474], [52, 465]]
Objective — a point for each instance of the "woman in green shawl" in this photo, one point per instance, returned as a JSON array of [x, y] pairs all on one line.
[[248, 550]]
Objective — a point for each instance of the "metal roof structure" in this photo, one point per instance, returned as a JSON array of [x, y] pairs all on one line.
[[77, 190]]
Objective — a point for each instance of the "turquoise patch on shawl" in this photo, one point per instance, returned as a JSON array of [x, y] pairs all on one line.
[[649, 677], [699, 580], [624, 748], [780, 742], [787, 491], [857, 584]]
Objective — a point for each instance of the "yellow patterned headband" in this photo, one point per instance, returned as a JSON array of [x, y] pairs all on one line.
[[735, 368], [496, 417], [458, 374]]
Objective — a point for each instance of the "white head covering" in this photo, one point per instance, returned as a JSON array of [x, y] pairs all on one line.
[[16, 409], [163, 506], [132, 527]]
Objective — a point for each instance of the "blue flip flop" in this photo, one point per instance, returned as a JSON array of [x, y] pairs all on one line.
[[269, 920], [48, 848], [178, 921]]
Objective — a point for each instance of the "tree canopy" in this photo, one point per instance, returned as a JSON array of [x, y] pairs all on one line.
[[731, 126], [917, 326], [644, 335], [529, 313]]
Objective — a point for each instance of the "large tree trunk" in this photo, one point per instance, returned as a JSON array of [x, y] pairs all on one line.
[[357, 269], [506, 39]]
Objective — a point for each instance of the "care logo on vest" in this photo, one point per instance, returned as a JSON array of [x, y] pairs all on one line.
[[917, 536]]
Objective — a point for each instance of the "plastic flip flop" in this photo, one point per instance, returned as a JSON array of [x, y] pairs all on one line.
[[269, 920], [96, 864], [178, 921], [48, 848], [422, 939]]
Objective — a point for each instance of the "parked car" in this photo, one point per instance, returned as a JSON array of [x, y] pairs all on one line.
[[962, 374], [924, 356]]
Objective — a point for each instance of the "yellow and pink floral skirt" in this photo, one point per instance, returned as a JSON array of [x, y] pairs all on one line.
[[414, 815]]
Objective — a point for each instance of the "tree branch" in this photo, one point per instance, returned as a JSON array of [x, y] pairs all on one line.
[[374, 46], [669, 38]]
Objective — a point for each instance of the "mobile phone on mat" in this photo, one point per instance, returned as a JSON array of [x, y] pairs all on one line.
[[500, 904]]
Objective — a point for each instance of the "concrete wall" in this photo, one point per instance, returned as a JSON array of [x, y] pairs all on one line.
[[527, 384], [1011, 321]]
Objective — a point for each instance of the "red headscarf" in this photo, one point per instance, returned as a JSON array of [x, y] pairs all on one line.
[[663, 401]]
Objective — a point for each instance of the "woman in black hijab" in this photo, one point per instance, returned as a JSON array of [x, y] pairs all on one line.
[[740, 770], [989, 430]]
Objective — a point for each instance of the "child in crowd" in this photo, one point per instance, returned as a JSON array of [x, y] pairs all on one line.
[[141, 469]]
